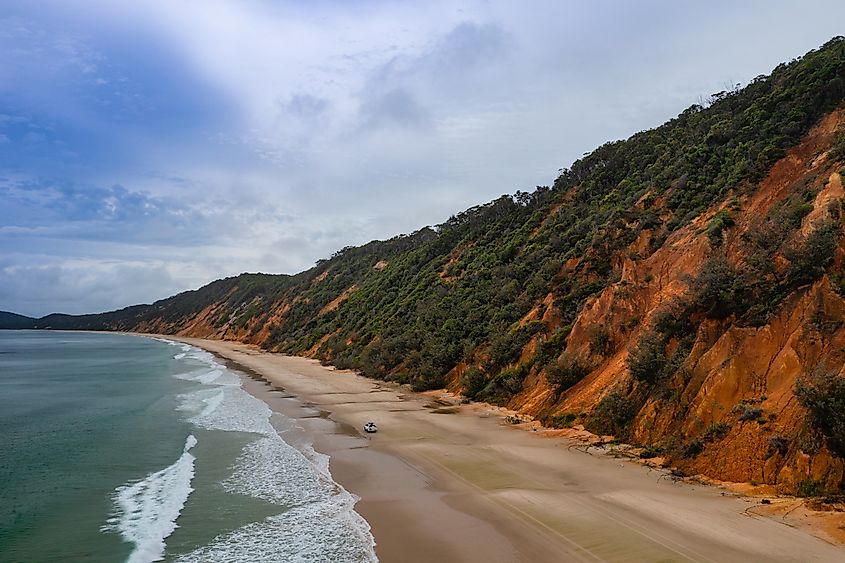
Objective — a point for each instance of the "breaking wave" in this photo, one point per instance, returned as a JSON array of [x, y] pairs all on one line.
[[316, 519], [146, 511]]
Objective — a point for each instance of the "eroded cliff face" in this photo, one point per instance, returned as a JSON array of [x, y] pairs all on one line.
[[731, 406]]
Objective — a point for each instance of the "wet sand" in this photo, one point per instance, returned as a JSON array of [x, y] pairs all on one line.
[[460, 484]]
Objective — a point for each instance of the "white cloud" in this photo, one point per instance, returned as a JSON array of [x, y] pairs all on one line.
[[83, 286]]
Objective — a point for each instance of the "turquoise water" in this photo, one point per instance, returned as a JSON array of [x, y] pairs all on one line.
[[116, 448]]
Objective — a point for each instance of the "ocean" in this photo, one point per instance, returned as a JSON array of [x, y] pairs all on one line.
[[124, 448]]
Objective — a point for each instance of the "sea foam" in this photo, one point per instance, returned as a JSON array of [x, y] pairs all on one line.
[[146, 511], [317, 520], [324, 531]]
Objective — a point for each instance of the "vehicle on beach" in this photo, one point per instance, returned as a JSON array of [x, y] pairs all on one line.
[[370, 427]]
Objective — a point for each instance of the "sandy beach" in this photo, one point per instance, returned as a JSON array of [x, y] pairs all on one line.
[[460, 484]]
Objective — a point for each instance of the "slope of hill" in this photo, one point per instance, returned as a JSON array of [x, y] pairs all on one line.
[[681, 289], [13, 320]]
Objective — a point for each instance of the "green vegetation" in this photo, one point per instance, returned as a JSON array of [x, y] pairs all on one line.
[[718, 290], [504, 385], [648, 362], [750, 413], [651, 451], [566, 372], [809, 439], [473, 382], [823, 394], [562, 420], [761, 286], [750, 292], [718, 225], [837, 151], [693, 447], [551, 347], [810, 488], [612, 415], [776, 445], [716, 431], [15, 321], [600, 340]]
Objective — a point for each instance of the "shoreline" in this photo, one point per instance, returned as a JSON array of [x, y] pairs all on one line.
[[457, 484]]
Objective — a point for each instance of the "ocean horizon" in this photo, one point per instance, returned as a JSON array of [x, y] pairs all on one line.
[[126, 448]]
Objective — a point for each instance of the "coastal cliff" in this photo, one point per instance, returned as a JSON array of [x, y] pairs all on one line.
[[682, 290]]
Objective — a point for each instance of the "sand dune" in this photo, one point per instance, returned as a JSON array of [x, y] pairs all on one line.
[[462, 485]]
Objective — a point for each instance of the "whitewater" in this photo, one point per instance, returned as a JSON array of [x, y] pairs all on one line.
[[315, 518]]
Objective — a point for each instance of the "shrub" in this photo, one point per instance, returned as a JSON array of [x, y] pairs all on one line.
[[673, 320], [552, 346], [512, 378], [648, 359], [562, 420], [824, 324], [718, 288], [612, 415], [693, 448], [823, 394], [651, 451], [809, 440], [679, 356], [810, 257], [504, 385], [810, 488], [837, 150], [838, 281], [777, 445], [717, 225], [717, 431], [600, 340], [506, 347], [427, 380], [566, 372], [473, 381], [750, 413]]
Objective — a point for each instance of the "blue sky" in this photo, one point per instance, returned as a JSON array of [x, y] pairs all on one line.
[[150, 147]]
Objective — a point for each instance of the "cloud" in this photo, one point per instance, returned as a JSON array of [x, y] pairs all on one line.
[[454, 61], [396, 107], [34, 202], [305, 106], [83, 286]]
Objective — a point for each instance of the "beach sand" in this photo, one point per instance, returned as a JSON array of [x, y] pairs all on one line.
[[460, 484]]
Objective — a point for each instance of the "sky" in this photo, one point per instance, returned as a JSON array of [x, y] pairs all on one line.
[[149, 147]]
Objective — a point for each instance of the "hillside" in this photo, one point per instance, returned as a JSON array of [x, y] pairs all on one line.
[[682, 289], [13, 320]]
